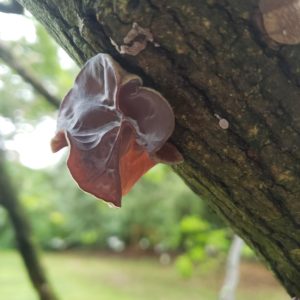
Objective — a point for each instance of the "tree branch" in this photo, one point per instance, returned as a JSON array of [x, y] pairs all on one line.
[[12, 7], [13, 62]]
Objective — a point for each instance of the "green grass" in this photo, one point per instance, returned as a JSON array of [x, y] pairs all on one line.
[[97, 277]]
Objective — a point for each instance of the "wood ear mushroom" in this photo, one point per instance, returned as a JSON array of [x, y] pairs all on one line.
[[281, 20], [115, 128]]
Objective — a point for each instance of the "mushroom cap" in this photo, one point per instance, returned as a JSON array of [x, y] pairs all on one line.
[[114, 127]]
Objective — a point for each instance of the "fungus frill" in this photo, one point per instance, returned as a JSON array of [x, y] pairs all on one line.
[[116, 129]]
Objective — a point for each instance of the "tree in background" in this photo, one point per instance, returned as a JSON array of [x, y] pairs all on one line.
[[9, 197], [24, 237]]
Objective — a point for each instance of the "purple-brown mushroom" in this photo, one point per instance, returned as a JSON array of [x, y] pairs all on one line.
[[115, 128], [281, 20]]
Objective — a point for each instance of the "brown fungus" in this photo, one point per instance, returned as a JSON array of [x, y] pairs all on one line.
[[116, 129], [281, 20]]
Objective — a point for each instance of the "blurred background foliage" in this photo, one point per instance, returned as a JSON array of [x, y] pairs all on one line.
[[19, 101], [152, 217]]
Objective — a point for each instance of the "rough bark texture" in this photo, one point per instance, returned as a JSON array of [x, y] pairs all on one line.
[[213, 62]]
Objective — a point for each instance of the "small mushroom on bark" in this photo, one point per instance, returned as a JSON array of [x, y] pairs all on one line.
[[116, 129], [281, 20]]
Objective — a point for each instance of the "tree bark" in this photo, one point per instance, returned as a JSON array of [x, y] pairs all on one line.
[[215, 65], [23, 234]]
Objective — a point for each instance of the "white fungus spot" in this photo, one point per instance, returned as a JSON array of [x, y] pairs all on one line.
[[223, 123]]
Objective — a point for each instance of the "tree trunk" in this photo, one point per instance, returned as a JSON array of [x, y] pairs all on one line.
[[23, 234], [217, 68], [232, 272]]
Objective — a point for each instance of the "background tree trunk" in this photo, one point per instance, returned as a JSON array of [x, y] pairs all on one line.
[[23, 234], [212, 63], [232, 272]]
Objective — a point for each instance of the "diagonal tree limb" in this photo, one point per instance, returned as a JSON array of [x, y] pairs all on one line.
[[13, 7], [13, 62]]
